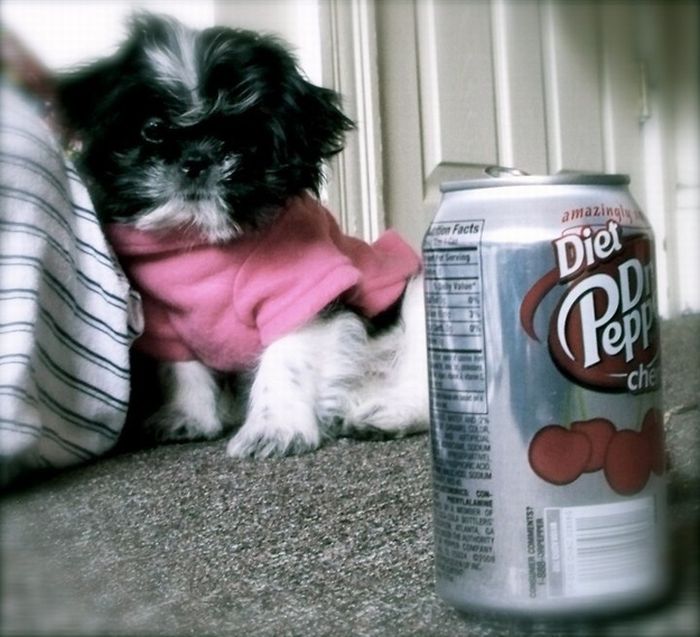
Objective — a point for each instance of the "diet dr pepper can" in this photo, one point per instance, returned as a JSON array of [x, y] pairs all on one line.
[[546, 423]]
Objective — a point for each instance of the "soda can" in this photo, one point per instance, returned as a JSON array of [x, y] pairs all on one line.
[[546, 422]]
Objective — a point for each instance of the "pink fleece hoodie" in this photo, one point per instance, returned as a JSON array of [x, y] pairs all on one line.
[[222, 304]]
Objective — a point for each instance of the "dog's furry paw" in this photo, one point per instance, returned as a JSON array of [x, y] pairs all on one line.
[[392, 417], [263, 437], [170, 424]]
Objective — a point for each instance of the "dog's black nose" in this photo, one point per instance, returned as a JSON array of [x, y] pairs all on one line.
[[194, 165]]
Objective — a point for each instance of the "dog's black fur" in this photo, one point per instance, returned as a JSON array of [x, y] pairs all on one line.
[[252, 104]]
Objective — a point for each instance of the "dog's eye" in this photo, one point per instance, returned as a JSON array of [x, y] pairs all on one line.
[[154, 130]]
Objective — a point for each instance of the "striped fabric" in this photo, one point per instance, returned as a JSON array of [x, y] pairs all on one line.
[[67, 316]]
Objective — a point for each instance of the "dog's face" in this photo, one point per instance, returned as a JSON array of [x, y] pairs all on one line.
[[208, 130]]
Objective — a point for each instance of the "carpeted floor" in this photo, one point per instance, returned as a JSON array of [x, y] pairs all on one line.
[[181, 540]]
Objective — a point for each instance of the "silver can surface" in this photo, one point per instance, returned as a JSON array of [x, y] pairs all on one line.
[[546, 421]]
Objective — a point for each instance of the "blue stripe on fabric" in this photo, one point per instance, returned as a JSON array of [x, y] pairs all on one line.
[[21, 427], [39, 141], [96, 322], [13, 359], [68, 342], [79, 348], [79, 385], [87, 214], [36, 168], [91, 284], [18, 194], [18, 391], [87, 318], [17, 326], [102, 257], [39, 431], [20, 227], [75, 418]]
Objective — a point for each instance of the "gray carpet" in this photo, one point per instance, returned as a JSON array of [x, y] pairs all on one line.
[[181, 540]]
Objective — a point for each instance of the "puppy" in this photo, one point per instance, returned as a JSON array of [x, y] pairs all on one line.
[[204, 154]]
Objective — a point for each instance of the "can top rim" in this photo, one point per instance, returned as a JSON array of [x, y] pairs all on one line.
[[560, 179]]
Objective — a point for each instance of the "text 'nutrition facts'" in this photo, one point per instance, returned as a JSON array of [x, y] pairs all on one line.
[[453, 288]]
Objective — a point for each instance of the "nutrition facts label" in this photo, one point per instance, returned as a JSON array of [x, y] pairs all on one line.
[[453, 287]]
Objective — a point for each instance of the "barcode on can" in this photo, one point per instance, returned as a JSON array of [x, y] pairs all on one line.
[[601, 549]]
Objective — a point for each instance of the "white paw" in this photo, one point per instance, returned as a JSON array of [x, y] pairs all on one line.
[[172, 424], [393, 416], [190, 409], [265, 435]]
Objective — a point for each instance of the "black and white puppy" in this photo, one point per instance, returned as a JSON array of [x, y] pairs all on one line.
[[214, 131]]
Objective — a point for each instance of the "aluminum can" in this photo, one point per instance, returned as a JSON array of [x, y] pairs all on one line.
[[546, 421]]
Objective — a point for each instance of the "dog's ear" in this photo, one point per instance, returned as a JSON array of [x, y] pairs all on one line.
[[309, 129], [83, 95], [323, 124], [80, 93]]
